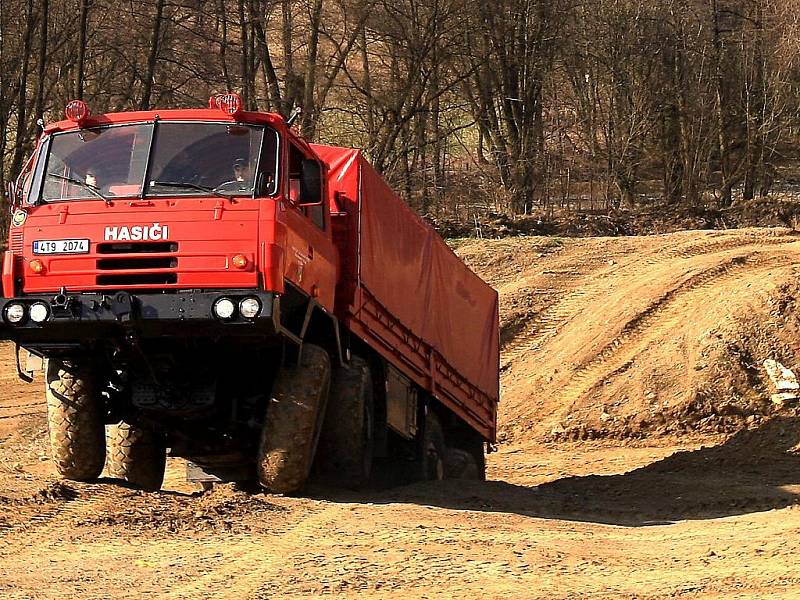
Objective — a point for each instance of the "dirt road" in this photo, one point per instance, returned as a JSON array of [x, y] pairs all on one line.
[[641, 457]]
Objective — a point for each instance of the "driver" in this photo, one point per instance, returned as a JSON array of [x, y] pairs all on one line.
[[241, 170], [242, 178]]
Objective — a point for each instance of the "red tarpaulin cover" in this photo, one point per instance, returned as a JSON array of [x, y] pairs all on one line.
[[388, 250]]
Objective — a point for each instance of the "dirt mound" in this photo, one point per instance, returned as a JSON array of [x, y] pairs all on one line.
[[634, 337], [220, 509], [729, 388]]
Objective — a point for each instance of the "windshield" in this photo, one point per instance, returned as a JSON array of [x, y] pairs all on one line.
[[163, 159]]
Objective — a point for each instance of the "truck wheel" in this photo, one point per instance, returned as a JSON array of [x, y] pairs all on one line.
[[434, 450], [466, 463], [478, 453], [346, 442], [74, 420], [293, 422], [137, 455]]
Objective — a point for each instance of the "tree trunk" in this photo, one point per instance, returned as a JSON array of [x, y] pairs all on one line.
[[671, 129], [245, 66], [309, 116], [270, 75], [722, 115], [372, 133], [83, 22], [756, 108], [20, 136], [152, 58], [291, 86], [223, 45], [38, 111]]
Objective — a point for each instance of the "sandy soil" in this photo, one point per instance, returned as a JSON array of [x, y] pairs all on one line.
[[592, 494]]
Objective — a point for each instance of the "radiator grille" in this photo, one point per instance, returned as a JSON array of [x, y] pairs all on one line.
[[130, 263], [119, 257], [137, 247], [16, 243]]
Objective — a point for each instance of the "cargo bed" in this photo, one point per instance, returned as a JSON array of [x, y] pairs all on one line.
[[404, 292]]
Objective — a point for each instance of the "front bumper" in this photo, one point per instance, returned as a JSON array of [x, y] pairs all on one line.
[[83, 318]]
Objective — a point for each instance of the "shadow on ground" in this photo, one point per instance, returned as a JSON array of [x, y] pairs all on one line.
[[754, 470]]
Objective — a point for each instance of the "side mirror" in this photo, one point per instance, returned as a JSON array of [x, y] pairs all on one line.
[[310, 183]]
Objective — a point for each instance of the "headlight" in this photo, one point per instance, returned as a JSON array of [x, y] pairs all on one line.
[[39, 312], [15, 312], [224, 308], [249, 307]]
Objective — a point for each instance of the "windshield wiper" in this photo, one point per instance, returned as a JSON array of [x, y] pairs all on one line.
[[191, 186], [82, 184]]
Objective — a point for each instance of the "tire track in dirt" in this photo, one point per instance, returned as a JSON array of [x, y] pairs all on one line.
[[18, 415], [13, 411], [661, 316], [75, 499], [562, 310], [248, 559], [29, 405]]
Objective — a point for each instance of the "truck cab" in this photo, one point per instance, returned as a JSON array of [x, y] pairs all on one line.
[[169, 202]]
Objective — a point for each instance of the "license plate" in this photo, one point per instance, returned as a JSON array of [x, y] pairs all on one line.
[[61, 246]]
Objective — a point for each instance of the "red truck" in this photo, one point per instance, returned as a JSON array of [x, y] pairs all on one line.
[[206, 283]]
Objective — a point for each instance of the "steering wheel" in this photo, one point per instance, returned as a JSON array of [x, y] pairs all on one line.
[[231, 186]]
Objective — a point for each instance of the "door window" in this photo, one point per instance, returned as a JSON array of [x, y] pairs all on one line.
[[315, 213]]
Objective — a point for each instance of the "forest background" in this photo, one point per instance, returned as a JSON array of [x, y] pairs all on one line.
[[475, 111]]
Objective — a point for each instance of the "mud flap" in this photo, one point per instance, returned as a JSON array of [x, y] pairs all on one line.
[[33, 363]]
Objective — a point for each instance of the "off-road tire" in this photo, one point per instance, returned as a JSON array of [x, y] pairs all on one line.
[[136, 454], [74, 420], [434, 449], [344, 456], [466, 463], [428, 461], [479, 455], [293, 422]]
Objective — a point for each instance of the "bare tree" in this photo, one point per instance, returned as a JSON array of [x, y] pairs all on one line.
[[152, 58]]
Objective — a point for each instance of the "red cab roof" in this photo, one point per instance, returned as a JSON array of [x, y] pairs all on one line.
[[181, 114]]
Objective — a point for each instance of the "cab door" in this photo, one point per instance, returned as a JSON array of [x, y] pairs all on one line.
[[311, 260]]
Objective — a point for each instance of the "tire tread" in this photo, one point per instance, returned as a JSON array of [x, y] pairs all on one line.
[[74, 421], [136, 455], [293, 422]]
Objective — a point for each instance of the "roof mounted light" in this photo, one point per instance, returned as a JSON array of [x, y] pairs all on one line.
[[77, 111], [230, 104]]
